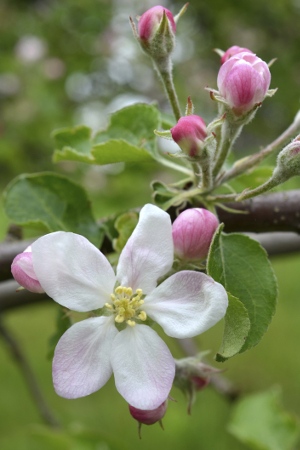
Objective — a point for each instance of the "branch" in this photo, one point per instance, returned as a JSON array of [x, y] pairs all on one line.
[[278, 211], [29, 377], [11, 298]]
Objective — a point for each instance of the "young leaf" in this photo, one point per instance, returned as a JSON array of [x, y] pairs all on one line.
[[260, 422], [242, 266], [51, 200], [128, 138], [124, 224], [237, 326]]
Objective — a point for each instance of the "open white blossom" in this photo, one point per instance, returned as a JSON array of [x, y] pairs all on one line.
[[78, 276]]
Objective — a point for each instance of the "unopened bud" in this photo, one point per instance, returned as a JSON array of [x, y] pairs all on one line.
[[23, 272], [191, 376], [288, 161], [192, 232], [156, 32], [189, 133], [149, 416], [243, 82], [233, 51]]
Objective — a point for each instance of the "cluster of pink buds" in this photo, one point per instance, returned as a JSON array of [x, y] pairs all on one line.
[[243, 80], [193, 231]]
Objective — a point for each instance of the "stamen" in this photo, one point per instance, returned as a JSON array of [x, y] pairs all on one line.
[[119, 318], [142, 316], [126, 305], [109, 306]]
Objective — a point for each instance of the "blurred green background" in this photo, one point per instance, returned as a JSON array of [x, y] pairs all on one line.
[[69, 62]]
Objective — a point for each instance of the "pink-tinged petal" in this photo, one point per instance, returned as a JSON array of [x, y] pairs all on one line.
[[72, 271], [148, 254], [143, 367], [186, 304], [81, 363], [23, 273]]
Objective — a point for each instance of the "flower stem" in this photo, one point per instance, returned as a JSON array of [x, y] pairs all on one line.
[[253, 160], [229, 133], [270, 184], [165, 73]]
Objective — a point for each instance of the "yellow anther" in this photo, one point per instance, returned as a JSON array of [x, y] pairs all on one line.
[[142, 316], [119, 318], [109, 306], [119, 290], [128, 291], [126, 305]]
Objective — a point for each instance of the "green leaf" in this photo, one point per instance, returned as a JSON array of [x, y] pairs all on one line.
[[241, 265], [260, 422], [128, 138], [237, 326], [53, 201], [125, 224]]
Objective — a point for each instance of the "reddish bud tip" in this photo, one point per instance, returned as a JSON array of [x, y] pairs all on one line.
[[148, 417], [189, 133], [150, 21], [233, 51]]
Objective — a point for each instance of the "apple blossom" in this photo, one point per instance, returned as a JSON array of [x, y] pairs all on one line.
[[189, 133], [78, 276], [192, 233], [231, 51], [243, 81], [23, 272]]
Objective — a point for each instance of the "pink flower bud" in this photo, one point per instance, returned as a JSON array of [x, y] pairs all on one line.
[[192, 233], [243, 81], [149, 417], [149, 22], [233, 51], [189, 134], [23, 272]]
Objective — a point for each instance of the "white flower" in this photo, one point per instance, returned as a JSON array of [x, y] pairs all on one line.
[[78, 276]]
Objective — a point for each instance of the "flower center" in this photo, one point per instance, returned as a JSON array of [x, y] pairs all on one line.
[[125, 305]]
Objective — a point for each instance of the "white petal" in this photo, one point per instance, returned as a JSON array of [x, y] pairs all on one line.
[[143, 367], [186, 304], [81, 363], [72, 271], [148, 253]]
